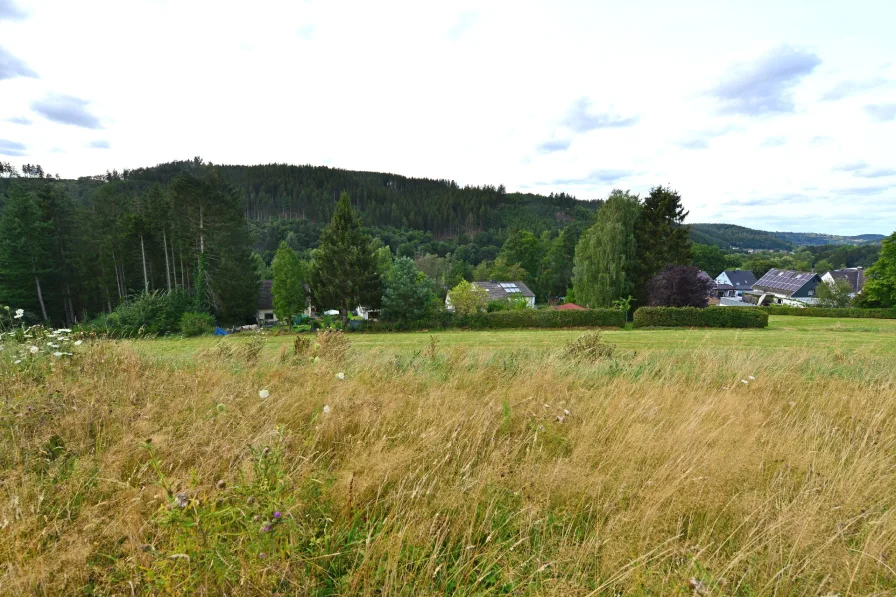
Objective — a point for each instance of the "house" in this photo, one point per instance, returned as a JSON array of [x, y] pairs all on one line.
[[265, 310], [264, 313], [854, 276], [569, 307], [787, 287], [734, 282], [498, 291]]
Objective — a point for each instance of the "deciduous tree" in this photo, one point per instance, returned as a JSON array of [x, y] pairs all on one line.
[[679, 286], [288, 286]]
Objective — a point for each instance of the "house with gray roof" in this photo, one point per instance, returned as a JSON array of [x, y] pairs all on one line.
[[735, 282], [787, 287], [498, 291], [854, 276]]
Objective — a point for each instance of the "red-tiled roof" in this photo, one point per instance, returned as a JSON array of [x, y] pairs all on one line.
[[569, 307]]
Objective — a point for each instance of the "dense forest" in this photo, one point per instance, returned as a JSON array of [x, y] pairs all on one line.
[[729, 236], [74, 249]]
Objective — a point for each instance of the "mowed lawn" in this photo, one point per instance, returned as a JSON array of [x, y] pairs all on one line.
[[785, 333]]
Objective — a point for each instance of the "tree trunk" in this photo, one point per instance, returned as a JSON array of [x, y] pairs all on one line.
[[40, 295], [117, 278], [183, 283], [167, 269], [145, 275], [201, 231]]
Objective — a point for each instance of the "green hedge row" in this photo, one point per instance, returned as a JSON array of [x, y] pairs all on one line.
[[524, 318], [709, 317], [822, 312]]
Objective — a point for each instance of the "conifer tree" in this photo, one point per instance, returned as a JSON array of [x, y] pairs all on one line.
[[344, 268]]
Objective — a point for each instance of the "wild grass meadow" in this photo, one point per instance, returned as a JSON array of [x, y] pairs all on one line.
[[719, 462]]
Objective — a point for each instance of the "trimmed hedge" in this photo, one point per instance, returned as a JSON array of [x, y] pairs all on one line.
[[709, 317], [823, 312], [524, 318]]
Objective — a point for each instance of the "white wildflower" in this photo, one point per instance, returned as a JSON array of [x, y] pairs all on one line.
[[33, 349], [327, 409], [560, 418], [52, 345], [566, 412], [263, 394], [57, 354], [19, 313], [751, 378], [340, 375], [63, 331], [744, 381], [79, 342], [17, 362]]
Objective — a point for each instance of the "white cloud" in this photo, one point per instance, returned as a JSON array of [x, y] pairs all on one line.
[[484, 93]]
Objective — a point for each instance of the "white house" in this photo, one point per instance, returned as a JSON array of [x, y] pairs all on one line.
[[734, 282], [854, 276], [502, 290]]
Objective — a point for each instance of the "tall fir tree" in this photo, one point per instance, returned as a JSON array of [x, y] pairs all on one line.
[[344, 268], [26, 243], [661, 236], [407, 294]]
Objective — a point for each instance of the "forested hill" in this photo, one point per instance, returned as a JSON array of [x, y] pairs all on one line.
[[729, 236], [441, 207]]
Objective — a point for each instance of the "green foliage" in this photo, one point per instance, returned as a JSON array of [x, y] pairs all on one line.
[[467, 298], [880, 283], [525, 318], [852, 313], [288, 288], [408, 293], [606, 253], [834, 296], [729, 236], [661, 238], [710, 317], [589, 347], [344, 268], [149, 313], [509, 304], [196, 324], [25, 249], [709, 258]]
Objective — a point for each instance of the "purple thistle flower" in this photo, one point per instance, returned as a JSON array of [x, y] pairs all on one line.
[[277, 515], [266, 528]]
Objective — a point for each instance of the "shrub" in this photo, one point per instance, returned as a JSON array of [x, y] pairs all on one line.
[[196, 324], [526, 318], [149, 313], [589, 347], [467, 298], [679, 286], [709, 317], [828, 312]]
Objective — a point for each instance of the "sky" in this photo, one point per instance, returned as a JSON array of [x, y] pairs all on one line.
[[767, 114]]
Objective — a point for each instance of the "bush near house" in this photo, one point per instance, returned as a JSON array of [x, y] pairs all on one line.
[[827, 312], [526, 318], [709, 317], [196, 324]]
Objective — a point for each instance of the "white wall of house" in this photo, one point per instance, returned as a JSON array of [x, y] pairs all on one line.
[[265, 316], [723, 279]]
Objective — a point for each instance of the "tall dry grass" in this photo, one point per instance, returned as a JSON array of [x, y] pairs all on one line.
[[451, 472]]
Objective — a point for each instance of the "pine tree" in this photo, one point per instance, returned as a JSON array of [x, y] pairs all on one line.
[[662, 238], [25, 247], [408, 293], [605, 254], [344, 267], [289, 284]]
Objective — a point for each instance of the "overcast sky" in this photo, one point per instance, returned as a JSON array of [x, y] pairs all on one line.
[[769, 114]]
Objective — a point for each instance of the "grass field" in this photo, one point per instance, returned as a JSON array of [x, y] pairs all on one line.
[[710, 462]]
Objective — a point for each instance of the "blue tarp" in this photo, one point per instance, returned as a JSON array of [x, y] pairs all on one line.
[[220, 332]]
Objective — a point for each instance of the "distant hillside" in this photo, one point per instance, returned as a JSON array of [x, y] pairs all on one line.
[[730, 236], [814, 239]]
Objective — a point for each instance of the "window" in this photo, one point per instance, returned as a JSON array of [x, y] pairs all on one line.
[[269, 316], [811, 292]]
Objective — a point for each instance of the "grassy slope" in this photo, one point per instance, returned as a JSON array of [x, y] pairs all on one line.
[[447, 471]]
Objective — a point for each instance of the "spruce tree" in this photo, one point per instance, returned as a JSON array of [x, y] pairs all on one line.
[[26, 243], [408, 293], [344, 268], [661, 236]]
